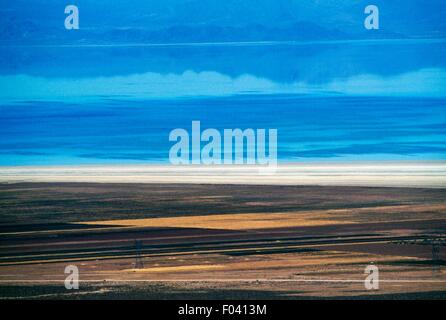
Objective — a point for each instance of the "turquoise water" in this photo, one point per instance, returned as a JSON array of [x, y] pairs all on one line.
[[340, 101]]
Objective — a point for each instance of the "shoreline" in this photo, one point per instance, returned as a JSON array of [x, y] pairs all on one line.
[[383, 174], [230, 43]]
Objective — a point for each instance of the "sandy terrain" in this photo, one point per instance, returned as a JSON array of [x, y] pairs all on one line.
[[220, 241]]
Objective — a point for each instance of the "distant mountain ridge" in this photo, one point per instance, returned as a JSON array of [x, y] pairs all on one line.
[[173, 21]]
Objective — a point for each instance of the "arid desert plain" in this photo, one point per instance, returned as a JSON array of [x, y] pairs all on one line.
[[222, 240]]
